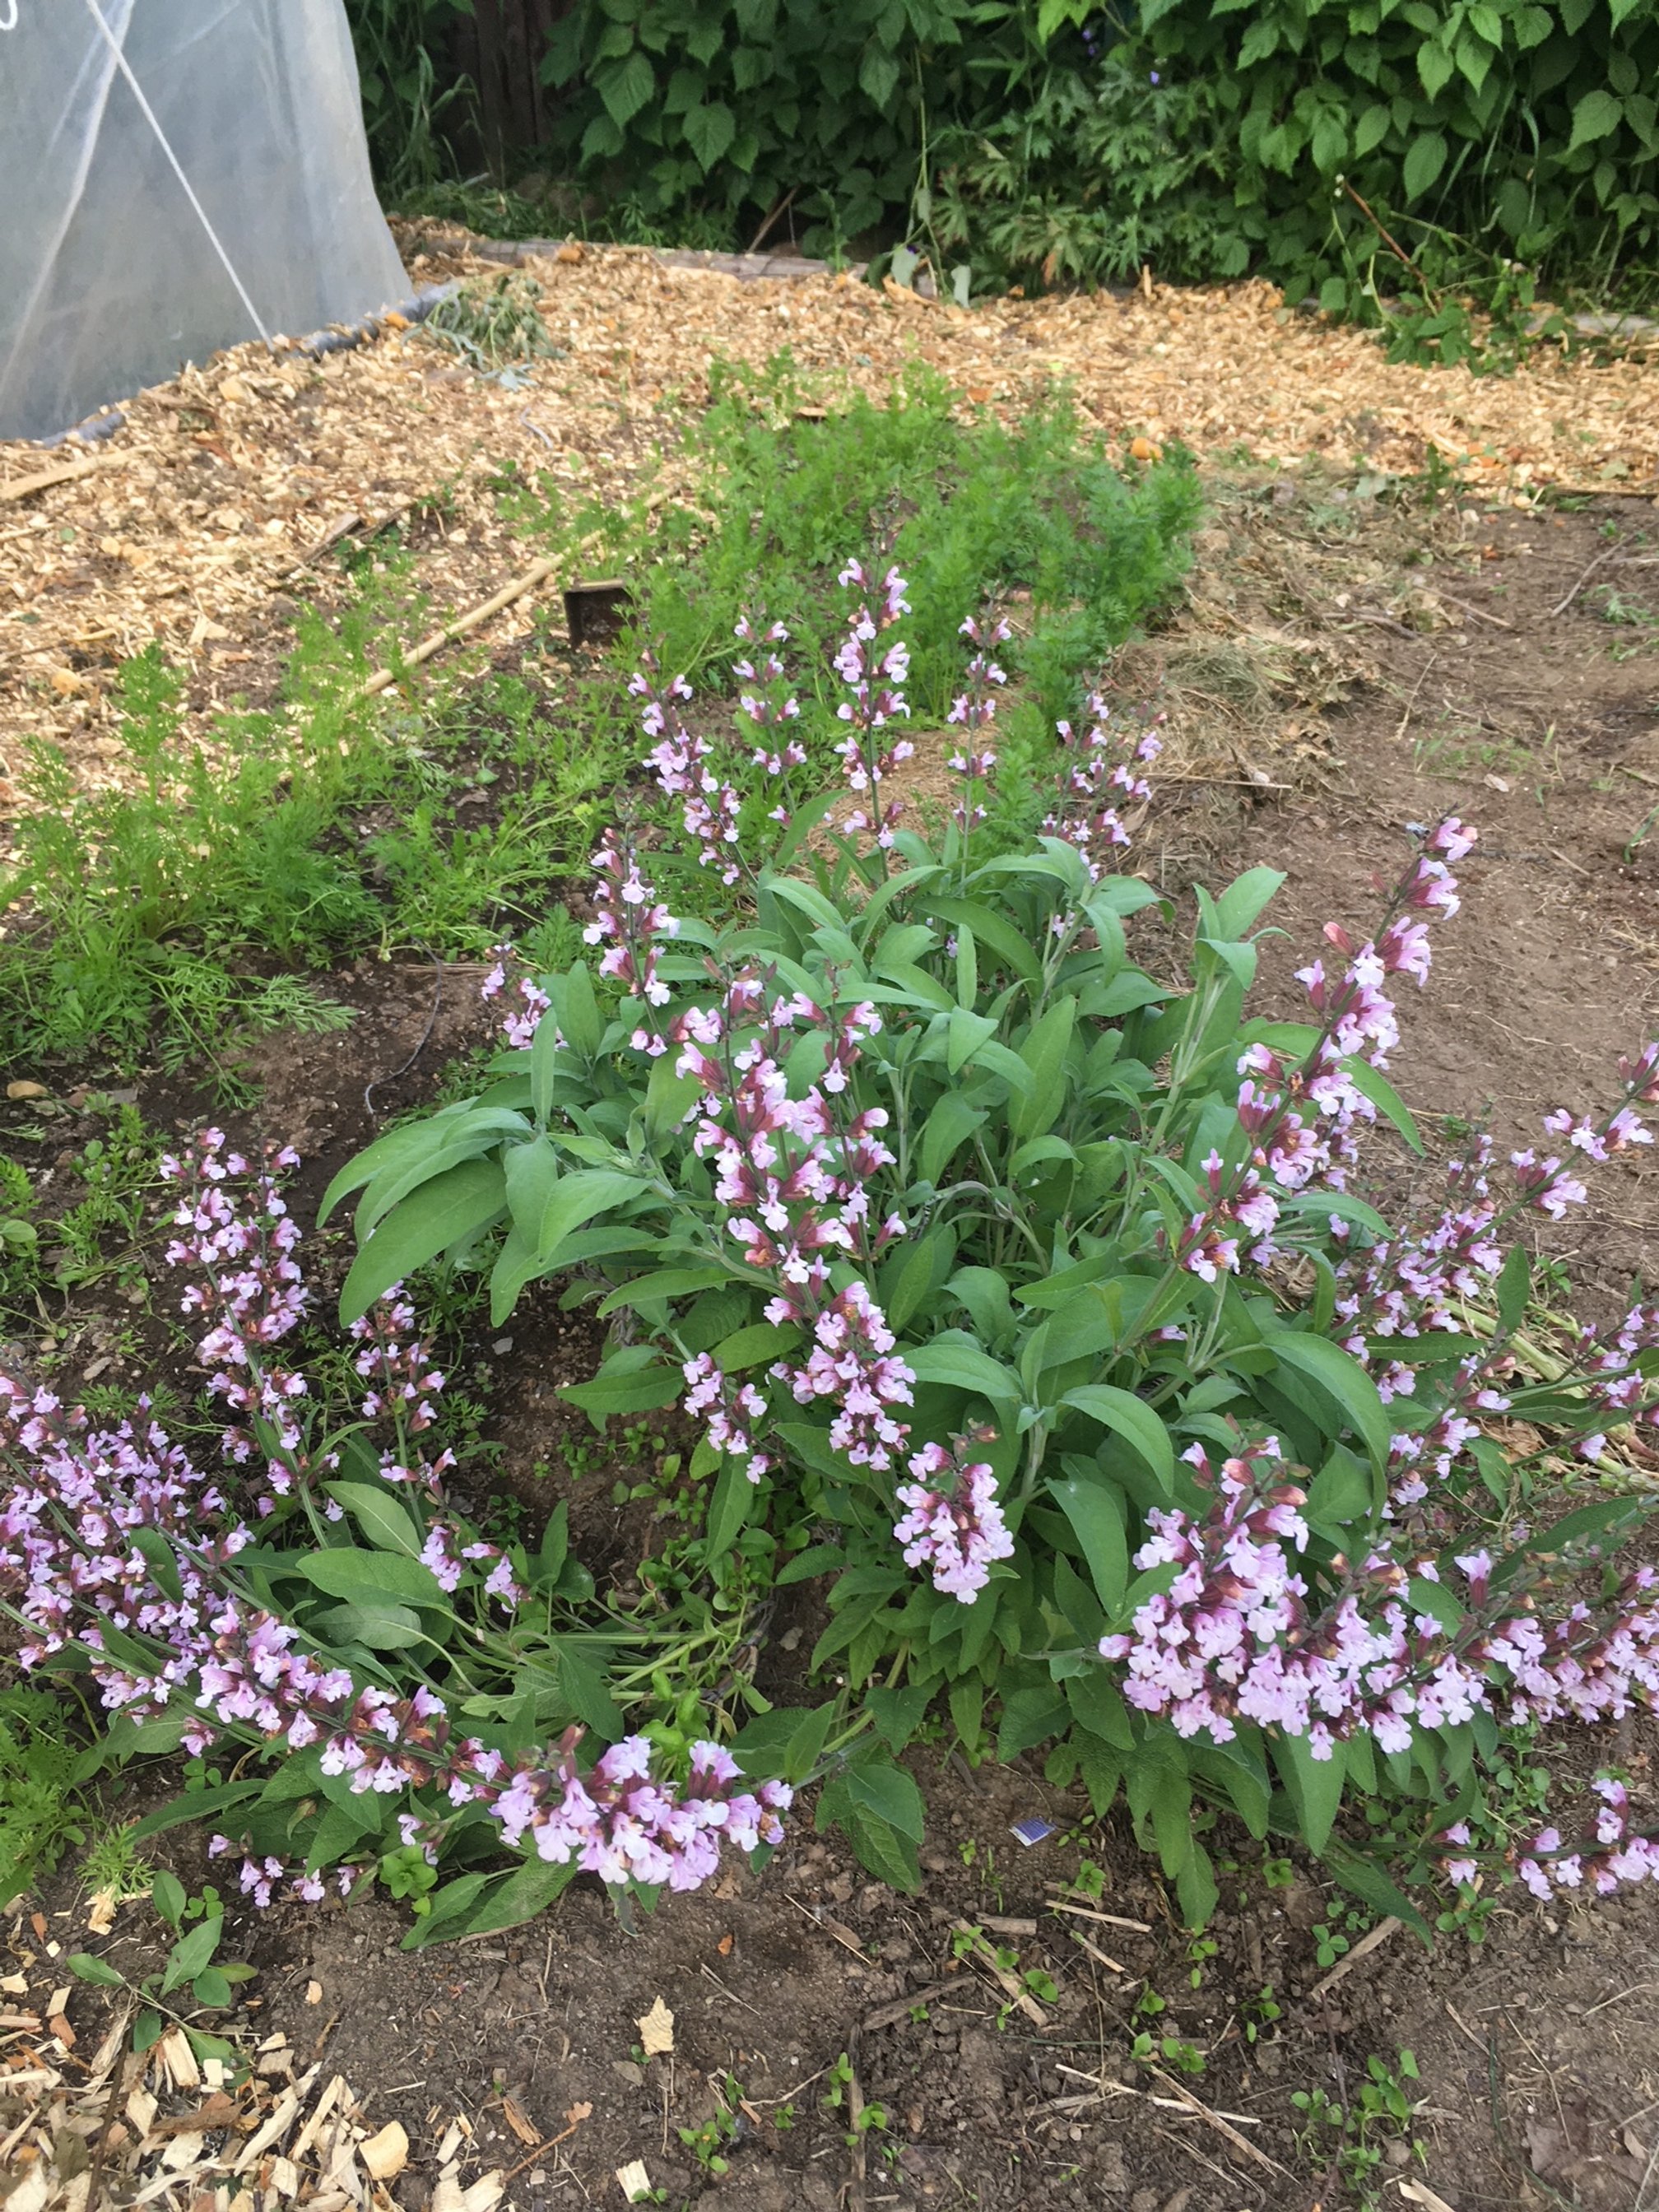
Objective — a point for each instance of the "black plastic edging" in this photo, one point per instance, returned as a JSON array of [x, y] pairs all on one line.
[[340, 337]]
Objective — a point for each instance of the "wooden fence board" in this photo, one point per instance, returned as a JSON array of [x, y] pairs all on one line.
[[507, 39]]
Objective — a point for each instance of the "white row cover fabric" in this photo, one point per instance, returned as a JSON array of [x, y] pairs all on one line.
[[109, 279]]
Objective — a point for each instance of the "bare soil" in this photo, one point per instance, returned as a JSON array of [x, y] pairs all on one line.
[[1340, 671]]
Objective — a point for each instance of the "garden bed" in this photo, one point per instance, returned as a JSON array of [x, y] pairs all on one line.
[[1352, 653], [1342, 666]]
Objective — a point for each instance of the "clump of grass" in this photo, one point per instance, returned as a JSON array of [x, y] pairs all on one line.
[[176, 920]]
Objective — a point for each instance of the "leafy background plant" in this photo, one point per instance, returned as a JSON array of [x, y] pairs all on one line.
[[1392, 149], [1427, 154], [414, 108]]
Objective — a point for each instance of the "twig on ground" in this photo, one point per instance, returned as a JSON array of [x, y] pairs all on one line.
[[1468, 607], [1600, 562], [1010, 1985], [1362, 1949], [1643, 2199], [844, 1936], [60, 472], [1390, 241], [1101, 2085], [384, 678], [709, 1975], [1223, 2128], [1635, 1990], [1095, 1951], [1088, 1912], [889, 2015], [855, 2186], [771, 221], [369, 1089], [1383, 622], [1230, 782], [1185, 2144], [1405, 719], [101, 2149]]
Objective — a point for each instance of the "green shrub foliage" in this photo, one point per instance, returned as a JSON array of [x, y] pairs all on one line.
[[1352, 148], [1328, 142]]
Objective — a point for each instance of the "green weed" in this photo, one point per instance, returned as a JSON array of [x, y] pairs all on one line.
[[1354, 2139], [193, 1974], [179, 920], [40, 1815], [114, 1866]]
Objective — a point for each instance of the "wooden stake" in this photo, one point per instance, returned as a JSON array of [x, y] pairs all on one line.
[[63, 472], [385, 678]]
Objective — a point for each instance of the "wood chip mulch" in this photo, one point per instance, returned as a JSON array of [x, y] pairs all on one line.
[[92, 2130], [215, 501]]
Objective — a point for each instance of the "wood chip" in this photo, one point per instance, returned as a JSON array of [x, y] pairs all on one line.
[[520, 2125], [656, 2031], [219, 2112], [175, 2054], [479, 2197], [331, 2096]]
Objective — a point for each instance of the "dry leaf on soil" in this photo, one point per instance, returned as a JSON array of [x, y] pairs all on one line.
[[1419, 2192]]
